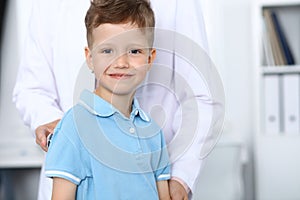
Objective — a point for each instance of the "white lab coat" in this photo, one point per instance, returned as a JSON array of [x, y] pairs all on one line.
[[54, 55]]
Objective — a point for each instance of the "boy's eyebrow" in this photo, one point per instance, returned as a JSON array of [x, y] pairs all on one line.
[[111, 44], [138, 44], [103, 44]]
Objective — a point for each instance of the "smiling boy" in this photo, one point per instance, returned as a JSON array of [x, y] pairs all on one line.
[[106, 146]]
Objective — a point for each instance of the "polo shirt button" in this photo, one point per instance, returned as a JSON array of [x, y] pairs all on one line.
[[131, 130], [136, 112]]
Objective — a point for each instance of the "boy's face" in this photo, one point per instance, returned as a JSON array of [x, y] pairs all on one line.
[[120, 58]]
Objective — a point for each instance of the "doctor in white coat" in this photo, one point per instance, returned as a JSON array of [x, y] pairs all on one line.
[[54, 55]]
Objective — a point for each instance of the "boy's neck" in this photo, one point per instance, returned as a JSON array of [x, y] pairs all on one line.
[[121, 102]]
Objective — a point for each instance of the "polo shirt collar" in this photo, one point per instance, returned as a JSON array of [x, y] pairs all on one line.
[[137, 110], [98, 106]]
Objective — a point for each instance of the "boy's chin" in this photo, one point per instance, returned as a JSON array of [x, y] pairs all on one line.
[[123, 92]]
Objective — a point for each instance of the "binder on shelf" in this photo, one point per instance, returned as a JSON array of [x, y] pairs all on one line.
[[269, 57], [289, 58], [277, 50], [271, 104], [291, 103]]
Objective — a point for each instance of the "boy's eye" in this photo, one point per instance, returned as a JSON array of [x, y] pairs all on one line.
[[135, 51], [106, 51]]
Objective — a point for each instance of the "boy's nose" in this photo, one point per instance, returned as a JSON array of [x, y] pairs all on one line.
[[122, 61]]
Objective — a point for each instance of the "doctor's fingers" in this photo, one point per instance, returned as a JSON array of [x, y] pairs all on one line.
[[42, 133], [177, 191]]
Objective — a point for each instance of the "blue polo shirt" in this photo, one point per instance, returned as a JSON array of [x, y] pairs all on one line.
[[108, 155]]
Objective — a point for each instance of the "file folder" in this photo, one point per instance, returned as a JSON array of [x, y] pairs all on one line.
[[271, 104], [291, 103]]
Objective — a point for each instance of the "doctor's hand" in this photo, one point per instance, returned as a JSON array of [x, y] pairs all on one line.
[[177, 191], [42, 132]]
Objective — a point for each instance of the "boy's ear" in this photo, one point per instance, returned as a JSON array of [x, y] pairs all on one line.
[[88, 57], [152, 56]]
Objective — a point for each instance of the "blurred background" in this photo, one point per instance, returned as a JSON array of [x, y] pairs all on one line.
[[233, 170]]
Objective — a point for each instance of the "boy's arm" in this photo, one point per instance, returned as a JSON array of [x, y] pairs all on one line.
[[63, 189], [163, 190]]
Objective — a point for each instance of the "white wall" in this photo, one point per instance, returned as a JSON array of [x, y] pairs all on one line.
[[14, 31], [229, 31], [16, 143]]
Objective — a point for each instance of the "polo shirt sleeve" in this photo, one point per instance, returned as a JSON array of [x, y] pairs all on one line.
[[64, 158], [163, 170]]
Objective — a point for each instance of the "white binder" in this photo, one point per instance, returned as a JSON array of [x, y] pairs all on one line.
[[271, 104], [291, 103]]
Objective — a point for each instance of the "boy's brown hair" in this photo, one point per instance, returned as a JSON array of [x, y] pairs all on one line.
[[137, 12]]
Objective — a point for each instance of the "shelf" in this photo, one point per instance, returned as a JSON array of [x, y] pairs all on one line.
[[278, 3], [20, 154], [277, 137], [280, 136], [268, 70]]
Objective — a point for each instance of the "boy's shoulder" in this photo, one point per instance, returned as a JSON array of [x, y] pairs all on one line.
[[74, 123], [73, 116]]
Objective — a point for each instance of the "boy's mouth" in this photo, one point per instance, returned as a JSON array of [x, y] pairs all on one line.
[[120, 75]]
